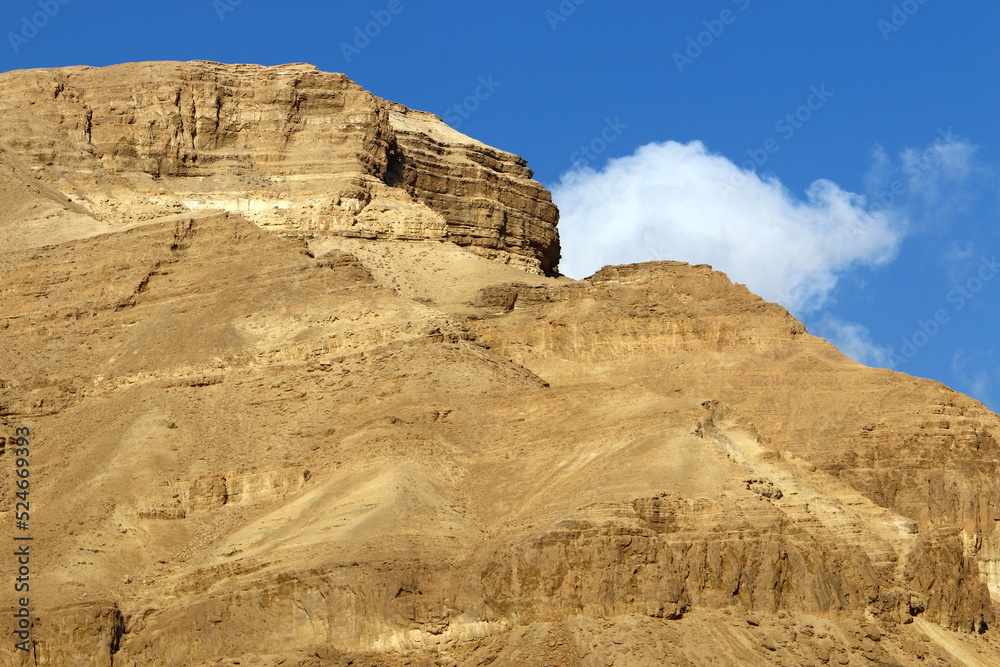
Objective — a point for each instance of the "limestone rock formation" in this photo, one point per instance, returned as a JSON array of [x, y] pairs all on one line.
[[309, 152], [261, 439]]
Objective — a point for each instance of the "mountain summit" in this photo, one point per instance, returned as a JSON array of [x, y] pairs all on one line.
[[306, 152]]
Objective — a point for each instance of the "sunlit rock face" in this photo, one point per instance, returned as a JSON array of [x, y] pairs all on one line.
[[291, 147]]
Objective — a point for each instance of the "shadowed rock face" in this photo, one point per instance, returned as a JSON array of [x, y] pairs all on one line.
[[306, 151], [320, 448]]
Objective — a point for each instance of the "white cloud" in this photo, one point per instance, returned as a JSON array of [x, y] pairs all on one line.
[[855, 341], [680, 202]]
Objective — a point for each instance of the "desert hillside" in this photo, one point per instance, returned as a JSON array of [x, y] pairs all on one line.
[[305, 387]]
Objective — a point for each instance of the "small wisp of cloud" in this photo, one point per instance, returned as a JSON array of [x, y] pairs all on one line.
[[921, 179]]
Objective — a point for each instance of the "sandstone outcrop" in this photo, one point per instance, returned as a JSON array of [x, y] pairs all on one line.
[[257, 441], [292, 147]]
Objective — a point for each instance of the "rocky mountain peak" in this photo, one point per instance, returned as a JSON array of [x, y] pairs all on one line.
[[309, 153]]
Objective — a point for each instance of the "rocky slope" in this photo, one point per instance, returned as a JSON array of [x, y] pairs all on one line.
[[320, 447]]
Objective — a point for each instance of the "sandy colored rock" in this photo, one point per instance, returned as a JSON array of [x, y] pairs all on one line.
[[262, 442], [291, 147]]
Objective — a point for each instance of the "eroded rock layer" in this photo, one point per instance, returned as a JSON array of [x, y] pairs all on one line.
[[292, 147]]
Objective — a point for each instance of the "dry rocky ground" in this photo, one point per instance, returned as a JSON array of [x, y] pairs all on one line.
[[305, 388]]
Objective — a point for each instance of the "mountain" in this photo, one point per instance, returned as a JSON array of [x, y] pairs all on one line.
[[305, 387]]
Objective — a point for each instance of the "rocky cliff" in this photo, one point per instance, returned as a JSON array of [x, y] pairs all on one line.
[[261, 441], [308, 152]]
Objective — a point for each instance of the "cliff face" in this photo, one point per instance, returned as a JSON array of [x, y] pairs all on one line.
[[309, 152], [321, 448]]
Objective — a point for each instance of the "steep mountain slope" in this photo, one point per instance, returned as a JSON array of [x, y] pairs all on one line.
[[254, 444]]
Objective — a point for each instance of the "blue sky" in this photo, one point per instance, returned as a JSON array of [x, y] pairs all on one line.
[[839, 157]]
